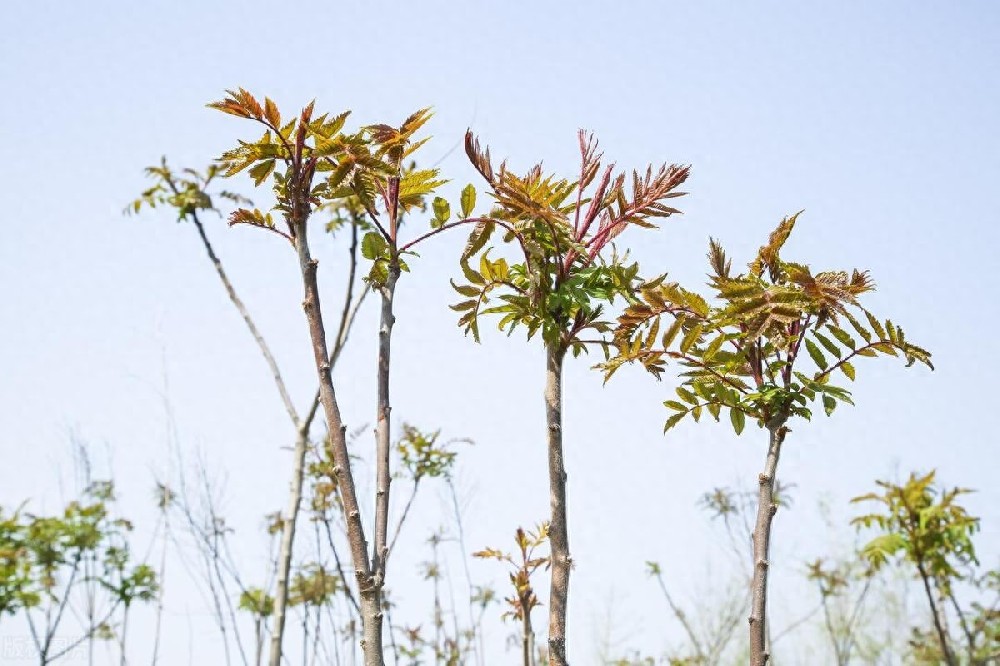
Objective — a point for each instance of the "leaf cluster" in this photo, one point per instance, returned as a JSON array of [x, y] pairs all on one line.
[[186, 191], [923, 524], [41, 555], [312, 163], [314, 585], [559, 279], [422, 455], [257, 602], [743, 353], [522, 566]]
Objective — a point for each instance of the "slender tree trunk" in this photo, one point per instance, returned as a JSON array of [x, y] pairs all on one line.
[[558, 532], [942, 634], [970, 639], [528, 642], [161, 574], [766, 508], [383, 432], [371, 612], [288, 524], [258, 633], [303, 427], [123, 658]]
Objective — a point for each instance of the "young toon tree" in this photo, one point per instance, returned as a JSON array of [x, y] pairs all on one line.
[[188, 192], [72, 576], [522, 567], [311, 163], [558, 285], [924, 524], [744, 355]]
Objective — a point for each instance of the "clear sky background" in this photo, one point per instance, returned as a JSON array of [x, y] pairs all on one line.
[[881, 120]]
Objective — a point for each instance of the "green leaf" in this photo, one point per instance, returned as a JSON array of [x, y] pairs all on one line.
[[673, 420], [671, 334], [465, 289], [843, 337], [379, 272], [829, 404], [828, 344], [714, 346], [261, 171], [373, 245], [848, 370], [468, 200], [442, 211], [738, 419], [686, 395], [816, 354], [895, 333], [690, 338], [676, 406], [486, 268], [862, 331], [879, 331], [471, 275], [477, 239]]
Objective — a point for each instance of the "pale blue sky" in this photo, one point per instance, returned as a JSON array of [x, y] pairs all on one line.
[[881, 120]]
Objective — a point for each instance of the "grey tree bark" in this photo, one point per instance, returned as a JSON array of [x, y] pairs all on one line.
[[766, 508], [368, 587], [383, 446], [558, 532], [290, 518]]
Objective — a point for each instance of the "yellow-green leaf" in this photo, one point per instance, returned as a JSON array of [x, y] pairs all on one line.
[[465, 289], [848, 370], [261, 171], [442, 210], [876, 325], [672, 331], [862, 331], [738, 419], [843, 337], [690, 338], [714, 346], [672, 421], [687, 396], [373, 245], [829, 404], [828, 344], [468, 200], [816, 354]]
